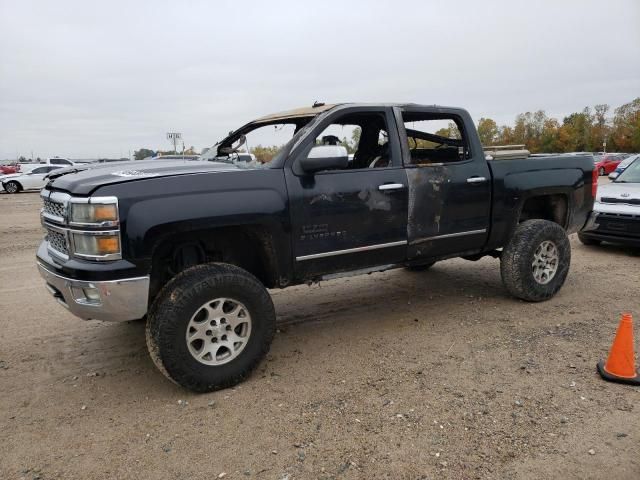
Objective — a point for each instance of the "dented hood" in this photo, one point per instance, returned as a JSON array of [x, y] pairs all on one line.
[[84, 179]]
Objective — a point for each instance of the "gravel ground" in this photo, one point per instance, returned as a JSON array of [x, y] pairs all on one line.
[[395, 375]]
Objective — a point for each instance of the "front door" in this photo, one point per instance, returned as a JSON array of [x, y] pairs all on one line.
[[353, 218]]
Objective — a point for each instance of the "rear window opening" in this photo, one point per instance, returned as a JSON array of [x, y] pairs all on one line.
[[435, 139]]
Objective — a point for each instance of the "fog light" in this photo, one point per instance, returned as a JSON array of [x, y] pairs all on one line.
[[91, 294]]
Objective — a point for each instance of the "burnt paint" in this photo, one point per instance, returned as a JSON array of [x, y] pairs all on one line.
[[340, 210], [441, 202]]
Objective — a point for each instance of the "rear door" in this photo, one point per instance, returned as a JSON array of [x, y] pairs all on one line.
[[449, 182], [35, 178], [355, 218]]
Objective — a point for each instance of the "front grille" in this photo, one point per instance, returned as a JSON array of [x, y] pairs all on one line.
[[53, 208], [629, 201], [57, 241], [619, 224]]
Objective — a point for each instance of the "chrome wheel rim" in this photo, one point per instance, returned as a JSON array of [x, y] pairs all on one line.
[[12, 187], [545, 262], [219, 331]]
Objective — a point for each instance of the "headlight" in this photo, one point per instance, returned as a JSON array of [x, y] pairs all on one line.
[[100, 212], [105, 245]]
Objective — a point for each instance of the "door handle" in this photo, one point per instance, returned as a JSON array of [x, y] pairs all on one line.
[[476, 179], [391, 186]]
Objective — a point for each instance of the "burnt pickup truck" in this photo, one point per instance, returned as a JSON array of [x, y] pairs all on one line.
[[193, 246]]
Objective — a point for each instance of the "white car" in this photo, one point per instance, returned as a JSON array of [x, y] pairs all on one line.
[[616, 211], [622, 165], [33, 180]]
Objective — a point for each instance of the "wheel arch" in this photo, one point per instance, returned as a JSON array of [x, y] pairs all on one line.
[[250, 247], [20, 187], [545, 206]]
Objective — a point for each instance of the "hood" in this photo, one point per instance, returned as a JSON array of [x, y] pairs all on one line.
[[83, 179], [7, 176], [619, 192]]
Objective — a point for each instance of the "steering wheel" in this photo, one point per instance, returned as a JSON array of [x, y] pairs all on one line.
[[375, 162], [384, 155]]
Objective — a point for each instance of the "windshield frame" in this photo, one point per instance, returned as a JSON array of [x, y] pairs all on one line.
[[302, 123]]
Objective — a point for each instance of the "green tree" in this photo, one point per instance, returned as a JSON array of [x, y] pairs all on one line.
[[578, 126], [599, 129], [505, 136], [487, 131], [550, 137], [265, 154], [143, 153], [625, 133]]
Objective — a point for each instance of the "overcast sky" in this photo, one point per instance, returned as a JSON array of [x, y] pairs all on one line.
[[96, 79]]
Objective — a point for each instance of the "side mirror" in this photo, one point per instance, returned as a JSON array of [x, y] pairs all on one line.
[[325, 157]]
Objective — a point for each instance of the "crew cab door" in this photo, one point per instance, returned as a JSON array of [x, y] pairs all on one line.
[[448, 179], [355, 217]]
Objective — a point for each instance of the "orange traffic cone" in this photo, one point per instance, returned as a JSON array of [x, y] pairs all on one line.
[[620, 366]]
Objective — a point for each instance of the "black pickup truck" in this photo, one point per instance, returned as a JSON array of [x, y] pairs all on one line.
[[192, 246]]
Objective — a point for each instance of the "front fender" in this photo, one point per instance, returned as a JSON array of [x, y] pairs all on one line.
[[154, 208]]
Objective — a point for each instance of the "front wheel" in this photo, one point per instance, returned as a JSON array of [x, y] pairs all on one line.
[[210, 326], [535, 262], [12, 187]]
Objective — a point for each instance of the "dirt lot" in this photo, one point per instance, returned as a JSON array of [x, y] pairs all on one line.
[[394, 375]]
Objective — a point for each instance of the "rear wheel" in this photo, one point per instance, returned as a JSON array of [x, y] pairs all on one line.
[[588, 241], [210, 326], [535, 263], [12, 187]]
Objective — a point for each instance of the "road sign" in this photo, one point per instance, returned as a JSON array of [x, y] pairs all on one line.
[[174, 136]]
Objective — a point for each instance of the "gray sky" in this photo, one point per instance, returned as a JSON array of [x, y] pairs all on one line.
[[88, 79]]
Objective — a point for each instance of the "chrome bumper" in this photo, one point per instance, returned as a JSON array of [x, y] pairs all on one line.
[[111, 301]]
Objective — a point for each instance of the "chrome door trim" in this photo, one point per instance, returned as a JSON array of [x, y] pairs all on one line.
[[450, 235], [391, 186], [350, 250]]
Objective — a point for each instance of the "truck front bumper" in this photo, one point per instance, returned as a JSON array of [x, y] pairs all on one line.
[[111, 300]]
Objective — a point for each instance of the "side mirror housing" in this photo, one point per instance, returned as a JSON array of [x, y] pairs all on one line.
[[325, 157]]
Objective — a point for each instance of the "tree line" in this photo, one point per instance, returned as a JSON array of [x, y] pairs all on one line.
[[585, 131]]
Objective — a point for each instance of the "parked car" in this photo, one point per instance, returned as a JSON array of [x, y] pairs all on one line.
[[64, 162], [193, 246], [616, 212], [8, 169], [622, 165], [608, 163], [33, 180]]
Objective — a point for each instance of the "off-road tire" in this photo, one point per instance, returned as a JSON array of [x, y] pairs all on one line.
[[420, 268], [517, 258], [177, 302], [588, 241], [12, 187]]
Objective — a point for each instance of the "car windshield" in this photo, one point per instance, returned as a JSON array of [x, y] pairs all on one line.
[[627, 161], [258, 144], [631, 174]]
